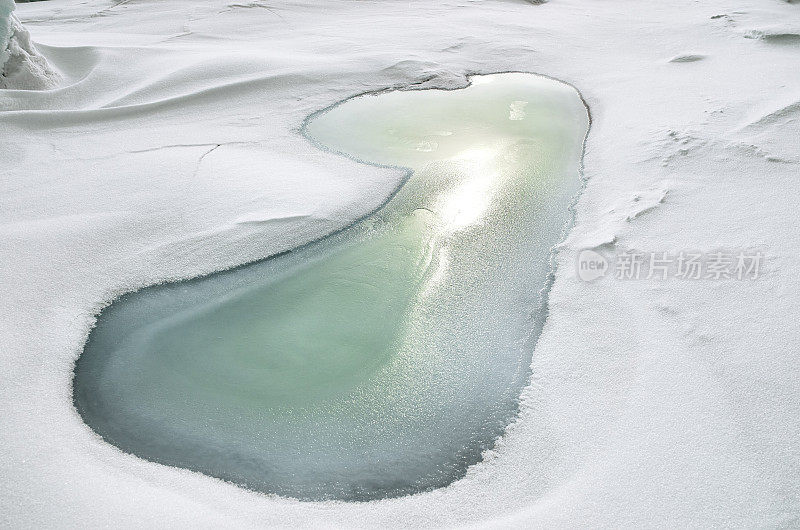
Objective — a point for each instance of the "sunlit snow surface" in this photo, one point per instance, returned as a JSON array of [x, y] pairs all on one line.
[[380, 361]]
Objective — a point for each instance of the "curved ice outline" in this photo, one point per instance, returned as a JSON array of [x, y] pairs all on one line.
[[538, 322]]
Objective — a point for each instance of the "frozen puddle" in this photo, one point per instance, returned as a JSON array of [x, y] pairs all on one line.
[[380, 361]]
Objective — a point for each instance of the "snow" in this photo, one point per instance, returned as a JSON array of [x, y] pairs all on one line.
[[6, 7], [21, 65], [652, 403]]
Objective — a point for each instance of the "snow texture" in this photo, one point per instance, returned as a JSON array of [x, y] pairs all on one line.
[[21, 65], [6, 7], [171, 149]]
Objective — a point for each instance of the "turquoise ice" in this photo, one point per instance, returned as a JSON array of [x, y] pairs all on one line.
[[380, 361]]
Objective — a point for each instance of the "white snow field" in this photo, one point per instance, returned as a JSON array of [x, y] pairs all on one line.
[[162, 142]]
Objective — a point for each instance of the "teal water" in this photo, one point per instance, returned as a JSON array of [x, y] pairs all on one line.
[[380, 361]]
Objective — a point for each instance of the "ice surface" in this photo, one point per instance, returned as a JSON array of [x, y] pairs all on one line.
[[171, 149], [379, 362]]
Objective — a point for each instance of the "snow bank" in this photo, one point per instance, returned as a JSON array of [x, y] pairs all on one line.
[[6, 7], [21, 64]]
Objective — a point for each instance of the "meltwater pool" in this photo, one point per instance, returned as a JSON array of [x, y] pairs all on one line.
[[384, 359]]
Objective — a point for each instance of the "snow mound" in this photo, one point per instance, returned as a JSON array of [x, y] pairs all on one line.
[[6, 7], [687, 58], [21, 65]]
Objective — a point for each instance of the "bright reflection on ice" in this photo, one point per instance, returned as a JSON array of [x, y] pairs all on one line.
[[378, 362], [516, 111], [468, 201]]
